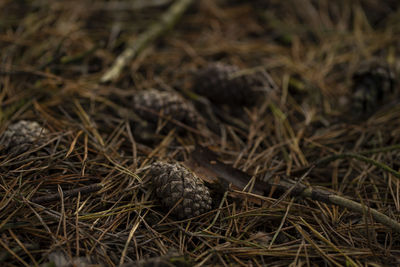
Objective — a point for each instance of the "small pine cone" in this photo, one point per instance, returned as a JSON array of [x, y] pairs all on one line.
[[23, 135], [168, 104], [227, 84], [373, 82], [173, 182]]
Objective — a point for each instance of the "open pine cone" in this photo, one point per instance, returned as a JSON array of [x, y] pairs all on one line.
[[227, 84], [150, 103], [23, 135], [174, 182], [373, 82]]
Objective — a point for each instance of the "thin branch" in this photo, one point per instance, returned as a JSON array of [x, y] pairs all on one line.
[[204, 156], [332, 198], [167, 21]]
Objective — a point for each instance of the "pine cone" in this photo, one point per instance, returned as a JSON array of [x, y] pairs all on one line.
[[373, 82], [23, 135], [173, 182], [168, 104], [226, 84]]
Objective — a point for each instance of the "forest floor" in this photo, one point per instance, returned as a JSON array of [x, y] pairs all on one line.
[[323, 172]]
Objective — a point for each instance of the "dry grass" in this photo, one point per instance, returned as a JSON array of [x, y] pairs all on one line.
[[53, 55]]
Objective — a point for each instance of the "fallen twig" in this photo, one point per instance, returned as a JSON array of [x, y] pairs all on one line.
[[167, 21], [208, 159], [332, 198]]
